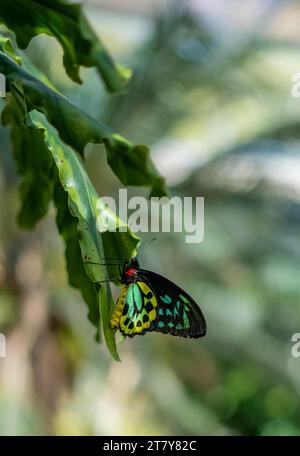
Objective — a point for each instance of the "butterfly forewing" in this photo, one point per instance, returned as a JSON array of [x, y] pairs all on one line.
[[177, 313], [139, 311]]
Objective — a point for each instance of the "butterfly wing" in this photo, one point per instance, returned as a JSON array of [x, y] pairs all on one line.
[[177, 313], [139, 312]]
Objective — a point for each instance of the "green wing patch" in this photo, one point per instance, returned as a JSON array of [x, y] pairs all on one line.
[[139, 311], [176, 316]]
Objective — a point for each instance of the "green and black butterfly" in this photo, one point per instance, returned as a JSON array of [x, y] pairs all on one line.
[[150, 302]]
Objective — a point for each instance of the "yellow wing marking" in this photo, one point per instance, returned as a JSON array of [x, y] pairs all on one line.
[[117, 313], [132, 327]]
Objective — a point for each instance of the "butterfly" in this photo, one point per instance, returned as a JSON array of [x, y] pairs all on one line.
[[150, 302]]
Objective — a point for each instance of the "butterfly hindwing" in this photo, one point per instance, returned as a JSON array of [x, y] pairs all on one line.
[[139, 311], [177, 313]]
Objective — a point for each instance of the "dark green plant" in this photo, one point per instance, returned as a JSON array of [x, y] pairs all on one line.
[[48, 135]]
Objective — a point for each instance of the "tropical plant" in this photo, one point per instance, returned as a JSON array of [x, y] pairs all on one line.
[[49, 134]]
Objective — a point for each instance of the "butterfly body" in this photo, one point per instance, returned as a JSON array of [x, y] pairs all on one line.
[[116, 316], [150, 302]]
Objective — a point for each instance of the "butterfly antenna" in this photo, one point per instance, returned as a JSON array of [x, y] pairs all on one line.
[[101, 264], [108, 280]]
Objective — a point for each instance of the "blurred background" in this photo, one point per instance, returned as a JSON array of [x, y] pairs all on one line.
[[211, 95]]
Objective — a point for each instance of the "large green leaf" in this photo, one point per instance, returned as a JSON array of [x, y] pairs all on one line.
[[67, 23], [78, 278], [86, 206], [44, 126], [131, 164], [78, 207]]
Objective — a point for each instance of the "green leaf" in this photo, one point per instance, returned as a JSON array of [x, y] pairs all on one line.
[[34, 162], [78, 278], [86, 206], [131, 164], [7, 47], [44, 126], [68, 24], [106, 309], [78, 209]]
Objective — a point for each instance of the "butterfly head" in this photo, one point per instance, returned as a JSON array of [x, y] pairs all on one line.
[[130, 271]]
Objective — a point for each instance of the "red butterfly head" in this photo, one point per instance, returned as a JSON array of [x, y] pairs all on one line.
[[130, 271]]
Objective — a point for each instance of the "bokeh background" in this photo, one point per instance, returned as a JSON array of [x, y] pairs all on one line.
[[211, 96]]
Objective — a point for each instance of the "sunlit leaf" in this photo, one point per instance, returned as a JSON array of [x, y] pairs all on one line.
[[68, 24], [78, 207], [131, 164]]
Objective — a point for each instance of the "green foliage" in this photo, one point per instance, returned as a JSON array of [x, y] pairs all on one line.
[[131, 164], [78, 205], [66, 23], [47, 130], [34, 161]]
